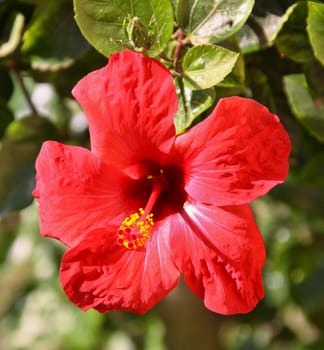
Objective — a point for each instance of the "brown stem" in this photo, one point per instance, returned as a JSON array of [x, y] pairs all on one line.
[[180, 37], [18, 75], [165, 57]]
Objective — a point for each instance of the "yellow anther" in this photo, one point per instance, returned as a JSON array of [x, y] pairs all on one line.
[[135, 230]]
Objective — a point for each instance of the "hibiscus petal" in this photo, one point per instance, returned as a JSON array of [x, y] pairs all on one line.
[[221, 253], [130, 105], [77, 193], [235, 155], [99, 274]]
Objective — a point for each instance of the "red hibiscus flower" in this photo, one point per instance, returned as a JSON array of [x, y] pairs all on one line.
[[145, 204]]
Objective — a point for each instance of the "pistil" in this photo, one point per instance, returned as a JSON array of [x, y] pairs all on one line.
[[136, 229]]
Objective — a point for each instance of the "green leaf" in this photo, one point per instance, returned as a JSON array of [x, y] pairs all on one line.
[[191, 105], [53, 40], [19, 149], [314, 72], [292, 41], [206, 65], [182, 13], [303, 105], [11, 33], [212, 21], [295, 46], [315, 28], [103, 22], [236, 77]]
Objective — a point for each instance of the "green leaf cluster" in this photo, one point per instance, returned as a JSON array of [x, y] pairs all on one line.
[[209, 38], [182, 34]]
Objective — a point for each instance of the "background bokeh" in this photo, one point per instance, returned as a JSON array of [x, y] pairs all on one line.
[[42, 56]]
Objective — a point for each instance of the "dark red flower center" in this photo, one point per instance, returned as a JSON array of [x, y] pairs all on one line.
[[162, 190]]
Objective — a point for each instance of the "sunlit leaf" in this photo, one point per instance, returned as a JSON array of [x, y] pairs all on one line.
[[211, 21], [103, 22], [303, 105], [315, 28], [206, 65], [191, 105], [237, 76]]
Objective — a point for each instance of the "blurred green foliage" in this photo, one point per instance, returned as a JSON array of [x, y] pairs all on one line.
[[272, 51]]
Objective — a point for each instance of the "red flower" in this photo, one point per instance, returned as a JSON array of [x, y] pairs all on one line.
[[144, 204]]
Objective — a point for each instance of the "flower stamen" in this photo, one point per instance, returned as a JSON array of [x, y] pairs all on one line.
[[135, 230]]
